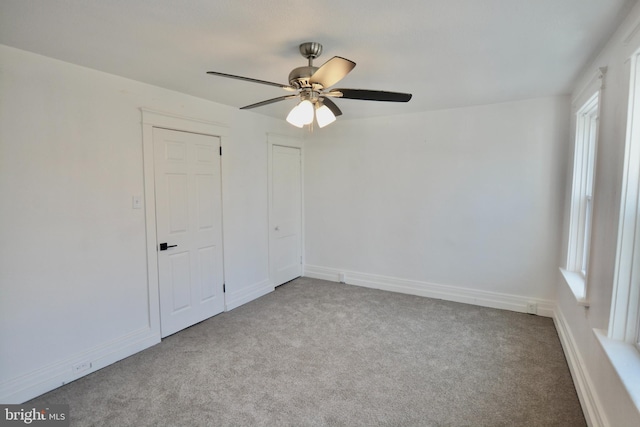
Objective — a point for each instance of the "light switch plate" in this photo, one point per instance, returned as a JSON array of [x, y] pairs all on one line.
[[137, 202]]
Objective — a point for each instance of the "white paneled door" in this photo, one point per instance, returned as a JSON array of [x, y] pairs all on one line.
[[286, 214], [189, 228]]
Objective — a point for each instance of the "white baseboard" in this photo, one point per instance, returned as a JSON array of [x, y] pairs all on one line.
[[249, 293], [47, 378], [449, 293], [591, 406]]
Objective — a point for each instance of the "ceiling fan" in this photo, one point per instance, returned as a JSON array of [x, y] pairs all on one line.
[[312, 86]]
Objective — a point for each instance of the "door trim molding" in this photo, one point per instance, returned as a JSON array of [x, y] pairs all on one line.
[[284, 141], [165, 120]]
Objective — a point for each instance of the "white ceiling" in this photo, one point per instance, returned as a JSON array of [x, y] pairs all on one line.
[[447, 53]]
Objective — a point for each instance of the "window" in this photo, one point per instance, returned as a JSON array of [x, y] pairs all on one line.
[[582, 193], [621, 341], [624, 324], [586, 138]]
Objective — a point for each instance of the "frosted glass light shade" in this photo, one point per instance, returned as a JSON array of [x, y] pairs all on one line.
[[302, 114], [294, 117], [324, 116]]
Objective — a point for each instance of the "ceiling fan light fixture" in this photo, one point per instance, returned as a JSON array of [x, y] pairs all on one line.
[[324, 116], [301, 114]]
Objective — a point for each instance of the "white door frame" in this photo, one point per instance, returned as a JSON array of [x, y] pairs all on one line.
[[151, 119], [285, 141]]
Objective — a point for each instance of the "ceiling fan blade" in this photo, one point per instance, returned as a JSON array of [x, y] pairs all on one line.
[[371, 95], [249, 79], [332, 71], [332, 106], [268, 101]]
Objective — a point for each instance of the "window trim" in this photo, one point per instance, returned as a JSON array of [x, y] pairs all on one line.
[[624, 321], [587, 104], [586, 142]]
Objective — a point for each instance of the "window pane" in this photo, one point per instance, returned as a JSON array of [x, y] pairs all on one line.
[[587, 237]]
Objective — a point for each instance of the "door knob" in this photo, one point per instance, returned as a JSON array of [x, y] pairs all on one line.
[[164, 246]]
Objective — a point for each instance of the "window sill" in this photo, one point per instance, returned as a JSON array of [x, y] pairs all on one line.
[[625, 359], [578, 286]]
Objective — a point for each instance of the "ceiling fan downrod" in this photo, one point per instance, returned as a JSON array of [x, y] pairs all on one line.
[[299, 77]]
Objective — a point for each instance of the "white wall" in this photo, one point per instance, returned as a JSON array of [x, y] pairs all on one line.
[[462, 204], [73, 271], [601, 391]]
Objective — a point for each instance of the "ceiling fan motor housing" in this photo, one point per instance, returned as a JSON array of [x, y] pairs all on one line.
[[300, 76]]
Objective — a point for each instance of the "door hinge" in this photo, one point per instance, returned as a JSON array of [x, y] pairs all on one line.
[[224, 288], [221, 150]]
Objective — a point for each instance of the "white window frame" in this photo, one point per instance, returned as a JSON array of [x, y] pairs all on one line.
[[576, 271], [621, 341], [624, 322], [582, 189]]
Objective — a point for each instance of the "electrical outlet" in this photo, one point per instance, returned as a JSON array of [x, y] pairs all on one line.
[[80, 367], [532, 308]]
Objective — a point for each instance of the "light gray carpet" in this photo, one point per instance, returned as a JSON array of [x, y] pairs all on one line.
[[316, 353]]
